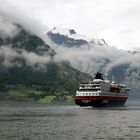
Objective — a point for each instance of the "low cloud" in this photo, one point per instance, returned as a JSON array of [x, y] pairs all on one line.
[[91, 59], [11, 57], [11, 13], [7, 29], [132, 77]]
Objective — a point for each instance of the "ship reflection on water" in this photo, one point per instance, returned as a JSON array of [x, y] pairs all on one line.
[[67, 122], [126, 107]]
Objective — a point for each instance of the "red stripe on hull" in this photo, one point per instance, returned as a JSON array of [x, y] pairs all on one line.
[[100, 98], [100, 101]]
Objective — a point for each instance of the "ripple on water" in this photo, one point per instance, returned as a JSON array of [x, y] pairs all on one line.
[[69, 122]]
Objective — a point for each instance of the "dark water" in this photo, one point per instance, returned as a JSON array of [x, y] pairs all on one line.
[[68, 122]]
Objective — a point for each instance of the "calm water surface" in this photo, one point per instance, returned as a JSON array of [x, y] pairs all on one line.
[[68, 122]]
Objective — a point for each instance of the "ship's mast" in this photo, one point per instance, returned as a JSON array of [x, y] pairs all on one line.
[[112, 79], [106, 78]]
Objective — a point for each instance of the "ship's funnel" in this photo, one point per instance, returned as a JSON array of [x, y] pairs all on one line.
[[99, 76]]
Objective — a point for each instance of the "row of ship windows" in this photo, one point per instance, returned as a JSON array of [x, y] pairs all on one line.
[[88, 94]]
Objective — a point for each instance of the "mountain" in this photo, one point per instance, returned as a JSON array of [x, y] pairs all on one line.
[[93, 55], [69, 38], [27, 62]]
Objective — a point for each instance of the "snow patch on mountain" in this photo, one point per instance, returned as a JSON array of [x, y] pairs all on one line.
[[69, 38], [70, 33]]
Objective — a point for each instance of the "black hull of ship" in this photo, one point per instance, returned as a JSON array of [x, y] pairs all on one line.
[[101, 103]]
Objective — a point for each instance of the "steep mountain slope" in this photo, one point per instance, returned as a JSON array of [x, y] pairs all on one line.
[[26, 40], [27, 60]]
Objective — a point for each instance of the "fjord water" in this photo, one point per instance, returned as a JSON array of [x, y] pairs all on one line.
[[68, 122]]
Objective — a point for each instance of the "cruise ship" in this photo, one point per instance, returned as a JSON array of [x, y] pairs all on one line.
[[101, 92]]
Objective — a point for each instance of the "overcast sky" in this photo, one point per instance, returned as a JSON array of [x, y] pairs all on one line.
[[117, 21]]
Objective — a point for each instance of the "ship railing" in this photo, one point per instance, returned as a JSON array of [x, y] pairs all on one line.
[[89, 88], [94, 84], [83, 84]]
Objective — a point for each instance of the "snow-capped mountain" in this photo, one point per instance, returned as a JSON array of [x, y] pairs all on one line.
[[69, 38]]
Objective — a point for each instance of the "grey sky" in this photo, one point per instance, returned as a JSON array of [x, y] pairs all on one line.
[[117, 21]]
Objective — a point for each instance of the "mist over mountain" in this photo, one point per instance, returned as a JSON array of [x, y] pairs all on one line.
[[25, 59], [95, 56], [22, 51]]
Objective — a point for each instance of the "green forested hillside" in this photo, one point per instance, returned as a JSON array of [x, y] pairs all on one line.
[[24, 80]]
